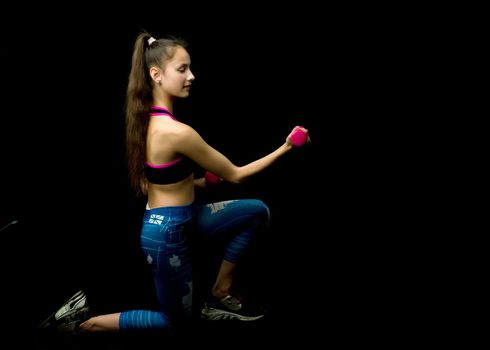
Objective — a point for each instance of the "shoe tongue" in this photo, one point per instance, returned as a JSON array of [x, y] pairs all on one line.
[[231, 302], [238, 296]]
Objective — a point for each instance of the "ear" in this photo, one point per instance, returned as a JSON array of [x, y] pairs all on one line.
[[155, 74]]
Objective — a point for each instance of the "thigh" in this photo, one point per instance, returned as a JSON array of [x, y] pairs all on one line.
[[219, 217], [166, 249]]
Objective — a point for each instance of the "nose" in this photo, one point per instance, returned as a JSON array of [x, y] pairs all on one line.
[[191, 77]]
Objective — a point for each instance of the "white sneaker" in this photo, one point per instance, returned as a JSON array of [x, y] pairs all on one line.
[[74, 311]]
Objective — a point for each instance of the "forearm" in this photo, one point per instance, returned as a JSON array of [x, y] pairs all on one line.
[[260, 164], [200, 183]]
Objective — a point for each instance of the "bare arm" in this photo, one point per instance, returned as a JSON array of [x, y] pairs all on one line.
[[192, 145]]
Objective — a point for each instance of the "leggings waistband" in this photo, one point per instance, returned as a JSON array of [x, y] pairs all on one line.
[[182, 211]]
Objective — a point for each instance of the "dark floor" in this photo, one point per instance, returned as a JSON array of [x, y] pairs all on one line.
[[203, 332]]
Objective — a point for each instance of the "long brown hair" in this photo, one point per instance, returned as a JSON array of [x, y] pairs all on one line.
[[139, 99]]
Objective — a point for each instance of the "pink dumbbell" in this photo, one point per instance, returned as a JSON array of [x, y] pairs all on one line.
[[211, 179], [299, 137]]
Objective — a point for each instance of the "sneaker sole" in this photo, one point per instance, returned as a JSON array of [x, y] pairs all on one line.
[[212, 314]]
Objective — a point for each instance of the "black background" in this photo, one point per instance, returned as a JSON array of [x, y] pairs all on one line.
[[338, 228]]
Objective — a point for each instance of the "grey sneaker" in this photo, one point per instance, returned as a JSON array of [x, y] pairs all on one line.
[[67, 318], [228, 308], [231, 303]]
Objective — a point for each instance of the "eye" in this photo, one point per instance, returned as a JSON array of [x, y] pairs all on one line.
[[183, 68]]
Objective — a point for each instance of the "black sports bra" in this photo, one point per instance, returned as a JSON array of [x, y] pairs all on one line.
[[171, 172]]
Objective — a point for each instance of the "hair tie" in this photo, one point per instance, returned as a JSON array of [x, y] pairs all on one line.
[[151, 40]]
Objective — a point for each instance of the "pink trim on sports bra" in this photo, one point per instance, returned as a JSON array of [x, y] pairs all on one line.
[[160, 111], [164, 165]]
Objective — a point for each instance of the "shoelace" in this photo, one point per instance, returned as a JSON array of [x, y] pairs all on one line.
[[77, 302], [231, 303]]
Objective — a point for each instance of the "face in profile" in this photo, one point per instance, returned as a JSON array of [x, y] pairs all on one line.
[[177, 77]]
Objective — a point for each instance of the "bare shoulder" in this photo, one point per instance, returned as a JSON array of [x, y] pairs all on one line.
[[172, 129], [180, 137], [187, 139], [184, 131]]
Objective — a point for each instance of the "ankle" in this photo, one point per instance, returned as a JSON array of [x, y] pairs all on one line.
[[219, 292]]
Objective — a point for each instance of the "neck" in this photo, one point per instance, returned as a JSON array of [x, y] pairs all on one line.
[[163, 100], [162, 105]]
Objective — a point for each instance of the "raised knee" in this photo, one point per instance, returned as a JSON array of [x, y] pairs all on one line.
[[263, 211]]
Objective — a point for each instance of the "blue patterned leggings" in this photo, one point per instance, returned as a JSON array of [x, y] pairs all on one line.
[[165, 241]]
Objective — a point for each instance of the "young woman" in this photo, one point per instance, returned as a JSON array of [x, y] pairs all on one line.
[[161, 152]]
